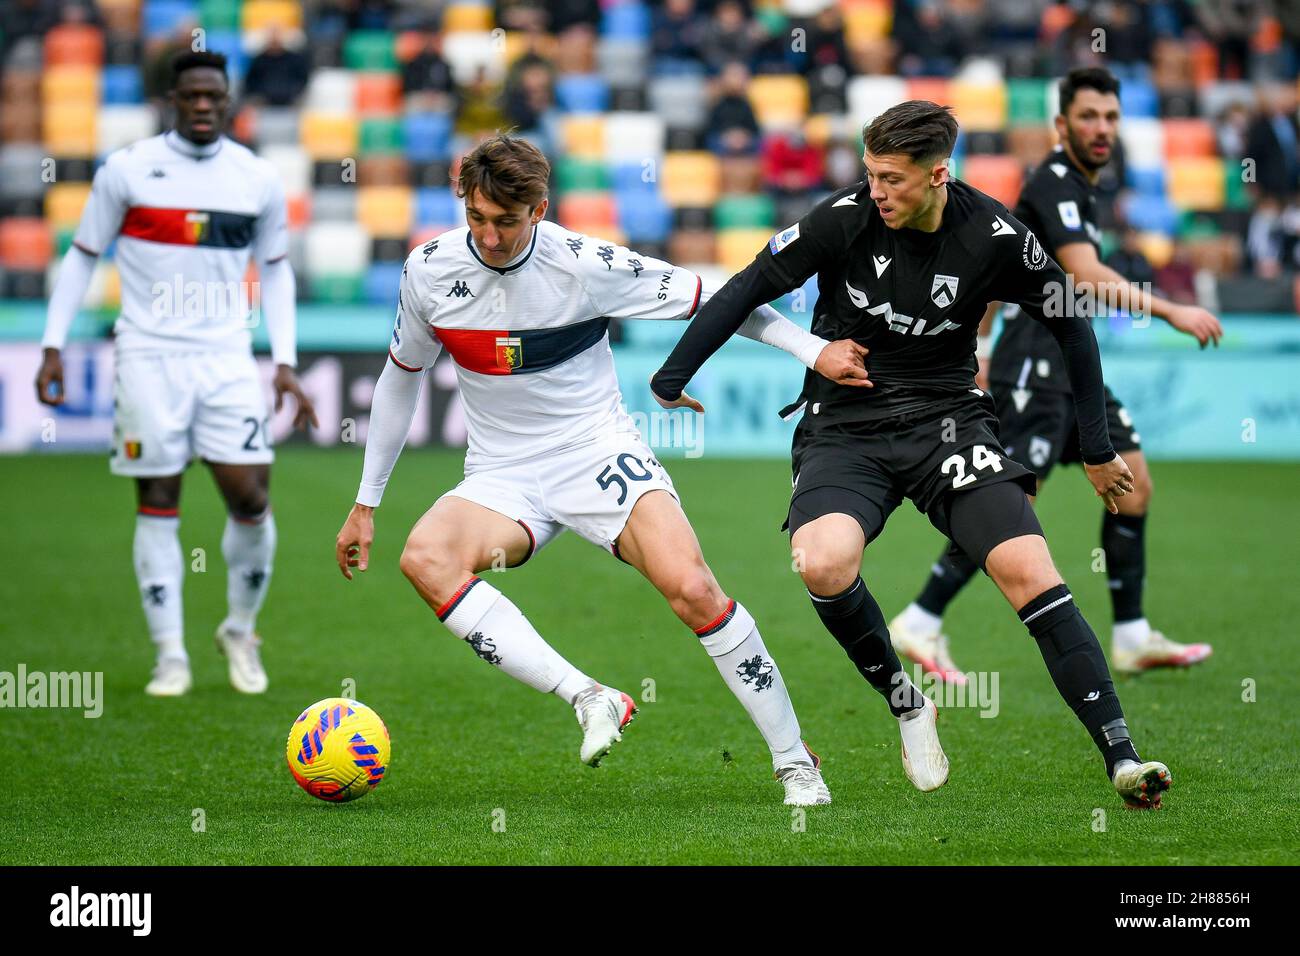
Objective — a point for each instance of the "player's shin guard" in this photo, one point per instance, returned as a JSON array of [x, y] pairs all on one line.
[[159, 569], [1123, 538], [751, 674], [854, 619], [1078, 668], [487, 621], [947, 577], [248, 545]]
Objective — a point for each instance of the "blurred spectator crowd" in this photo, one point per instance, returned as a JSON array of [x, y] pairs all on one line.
[[687, 128]]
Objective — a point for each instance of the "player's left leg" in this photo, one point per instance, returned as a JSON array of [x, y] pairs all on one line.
[[995, 524], [659, 542]]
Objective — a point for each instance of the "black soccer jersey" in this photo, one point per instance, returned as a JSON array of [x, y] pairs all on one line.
[[914, 299], [1059, 204]]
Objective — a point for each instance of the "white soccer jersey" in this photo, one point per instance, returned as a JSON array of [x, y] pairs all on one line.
[[186, 219], [530, 341]]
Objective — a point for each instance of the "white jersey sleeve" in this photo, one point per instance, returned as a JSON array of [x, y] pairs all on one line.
[[623, 284], [101, 220], [271, 231], [413, 346]]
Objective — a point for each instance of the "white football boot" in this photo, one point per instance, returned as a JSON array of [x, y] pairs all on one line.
[[171, 678], [1141, 784], [804, 786], [243, 661], [923, 757], [602, 713], [1157, 651], [929, 649]]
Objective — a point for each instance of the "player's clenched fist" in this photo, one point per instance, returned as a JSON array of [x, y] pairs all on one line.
[[845, 363], [49, 380], [352, 547], [1111, 480]]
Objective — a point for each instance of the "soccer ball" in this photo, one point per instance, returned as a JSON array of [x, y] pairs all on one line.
[[338, 749]]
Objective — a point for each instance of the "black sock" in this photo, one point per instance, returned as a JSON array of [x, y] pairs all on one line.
[[947, 577], [1078, 668], [854, 619], [1123, 538]]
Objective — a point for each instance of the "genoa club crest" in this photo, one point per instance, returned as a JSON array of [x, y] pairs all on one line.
[[133, 449], [510, 353]]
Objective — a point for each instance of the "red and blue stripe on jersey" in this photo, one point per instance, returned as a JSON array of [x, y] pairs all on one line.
[[506, 352], [210, 228]]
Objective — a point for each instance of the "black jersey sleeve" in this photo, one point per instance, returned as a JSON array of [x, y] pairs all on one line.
[[1032, 279], [1058, 204]]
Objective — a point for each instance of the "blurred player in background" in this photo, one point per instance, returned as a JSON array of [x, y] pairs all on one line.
[[187, 210], [523, 307], [906, 263], [1033, 392]]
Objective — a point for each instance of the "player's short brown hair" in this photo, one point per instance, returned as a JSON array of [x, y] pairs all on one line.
[[922, 130], [507, 171]]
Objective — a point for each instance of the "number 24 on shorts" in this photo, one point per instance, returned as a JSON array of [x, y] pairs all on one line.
[[981, 458], [631, 466]]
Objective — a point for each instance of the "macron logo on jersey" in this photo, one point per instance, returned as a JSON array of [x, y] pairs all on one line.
[[1000, 227], [783, 239]]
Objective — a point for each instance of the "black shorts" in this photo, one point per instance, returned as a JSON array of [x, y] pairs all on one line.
[[866, 469], [1045, 432]]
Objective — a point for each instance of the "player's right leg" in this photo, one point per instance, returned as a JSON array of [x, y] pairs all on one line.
[[830, 527], [458, 538]]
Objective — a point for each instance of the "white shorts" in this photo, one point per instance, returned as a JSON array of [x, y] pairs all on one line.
[[590, 489], [171, 407]]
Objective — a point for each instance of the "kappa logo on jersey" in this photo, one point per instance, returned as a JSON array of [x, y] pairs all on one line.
[[157, 173], [943, 290], [881, 264], [606, 255], [575, 246], [510, 352], [783, 238], [1001, 227], [1032, 253], [460, 290], [429, 249], [637, 267], [1070, 218]]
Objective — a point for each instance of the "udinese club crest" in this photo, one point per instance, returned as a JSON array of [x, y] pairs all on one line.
[[943, 290]]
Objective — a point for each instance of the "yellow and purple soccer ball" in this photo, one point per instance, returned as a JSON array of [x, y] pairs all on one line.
[[338, 750]]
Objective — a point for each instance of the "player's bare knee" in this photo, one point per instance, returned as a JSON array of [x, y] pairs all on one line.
[[825, 573], [433, 568], [696, 596], [162, 494], [248, 502]]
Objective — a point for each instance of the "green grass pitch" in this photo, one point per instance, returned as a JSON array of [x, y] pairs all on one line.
[[691, 782]]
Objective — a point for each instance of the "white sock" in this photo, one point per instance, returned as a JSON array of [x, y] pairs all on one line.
[[159, 568], [486, 619], [1131, 635], [917, 618], [748, 670], [249, 549]]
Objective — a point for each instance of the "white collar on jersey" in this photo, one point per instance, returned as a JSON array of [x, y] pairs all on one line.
[[513, 265], [193, 150]]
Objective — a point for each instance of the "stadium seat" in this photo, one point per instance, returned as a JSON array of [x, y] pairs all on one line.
[[329, 135], [690, 179], [259, 15], [583, 135], [438, 207], [681, 100], [337, 203], [378, 94], [866, 22], [1143, 140], [69, 129], [1138, 99], [643, 216], [390, 169], [980, 107], [745, 212], [622, 62], [25, 243], [1030, 144], [1157, 247], [70, 84], [219, 14], [630, 177], [1151, 214], [159, 19], [930, 88], [1197, 183], [370, 50], [277, 126], [585, 93], [737, 247], [74, 44], [292, 165], [467, 17], [740, 174], [63, 204], [428, 137], [467, 53], [580, 175], [1219, 95], [869, 96], [381, 282], [779, 101], [633, 137], [120, 126], [1030, 102], [331, 90], [385, 211], [121, 85], [626, 21], [590, 212], [1189, 139], [1146, 180], [21, 168], [1235, 194], [380, 134], [337, 248], [999, 176]]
